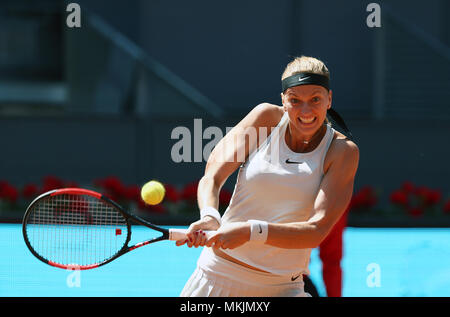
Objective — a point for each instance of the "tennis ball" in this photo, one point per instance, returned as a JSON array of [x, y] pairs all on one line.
[[153, 192]]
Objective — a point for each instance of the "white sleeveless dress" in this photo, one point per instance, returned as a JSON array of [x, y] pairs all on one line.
[[276, 185]]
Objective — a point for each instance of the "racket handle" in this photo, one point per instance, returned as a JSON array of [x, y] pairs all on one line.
[[180, 234]]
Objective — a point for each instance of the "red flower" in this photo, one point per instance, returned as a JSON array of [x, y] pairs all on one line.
[[399, 197], [447, 207], [3, 186], [112, 187], [51, 183], [364, 198], [416, 199], [30, 191], [172, 194], [133, 193], [8, 192], [112, 197], [72, 185], [113, 184], [356, 202], [224, 197], [433, 197], [408, 187], [369, 195], [189, 192], [415, 211], [427, 196], [422, 192]]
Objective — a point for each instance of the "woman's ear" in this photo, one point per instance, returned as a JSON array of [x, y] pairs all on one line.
[[330, 99], [282, 102]]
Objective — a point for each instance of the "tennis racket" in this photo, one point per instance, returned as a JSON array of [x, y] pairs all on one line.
[[73, 228]]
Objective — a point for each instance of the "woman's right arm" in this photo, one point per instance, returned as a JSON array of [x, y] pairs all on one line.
[[229, 153]]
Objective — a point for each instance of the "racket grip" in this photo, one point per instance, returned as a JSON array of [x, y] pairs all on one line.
[[180, 234]]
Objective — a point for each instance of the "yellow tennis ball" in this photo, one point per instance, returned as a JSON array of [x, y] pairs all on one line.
[[153, 192]]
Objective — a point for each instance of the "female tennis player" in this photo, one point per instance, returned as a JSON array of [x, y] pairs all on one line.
[[293, 185]]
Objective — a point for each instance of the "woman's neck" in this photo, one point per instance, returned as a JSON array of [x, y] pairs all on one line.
[[303, 144]]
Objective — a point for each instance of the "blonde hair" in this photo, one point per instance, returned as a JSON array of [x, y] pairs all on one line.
[[305, 64]]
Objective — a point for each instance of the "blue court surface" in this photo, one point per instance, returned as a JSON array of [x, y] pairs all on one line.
[[377, 262]]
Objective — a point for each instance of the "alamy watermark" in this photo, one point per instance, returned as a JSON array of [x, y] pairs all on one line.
[[373, 20], [74, 278], [374, 277], [73, 19], [189, 146]]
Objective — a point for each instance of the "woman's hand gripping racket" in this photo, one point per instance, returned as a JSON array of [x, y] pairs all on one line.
[[75, 228]]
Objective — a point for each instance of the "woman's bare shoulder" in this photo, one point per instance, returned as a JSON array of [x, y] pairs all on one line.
[[342, 148], [343, 143], [266, 114]]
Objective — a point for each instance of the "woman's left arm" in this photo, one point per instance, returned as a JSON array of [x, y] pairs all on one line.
[[333, 197]]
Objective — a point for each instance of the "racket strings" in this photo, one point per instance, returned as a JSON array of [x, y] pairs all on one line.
[[76, 230]]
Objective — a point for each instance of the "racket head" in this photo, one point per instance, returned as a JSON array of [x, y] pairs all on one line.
[[75, 228]]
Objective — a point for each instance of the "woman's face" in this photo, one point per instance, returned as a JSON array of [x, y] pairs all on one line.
[[307, 107]]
